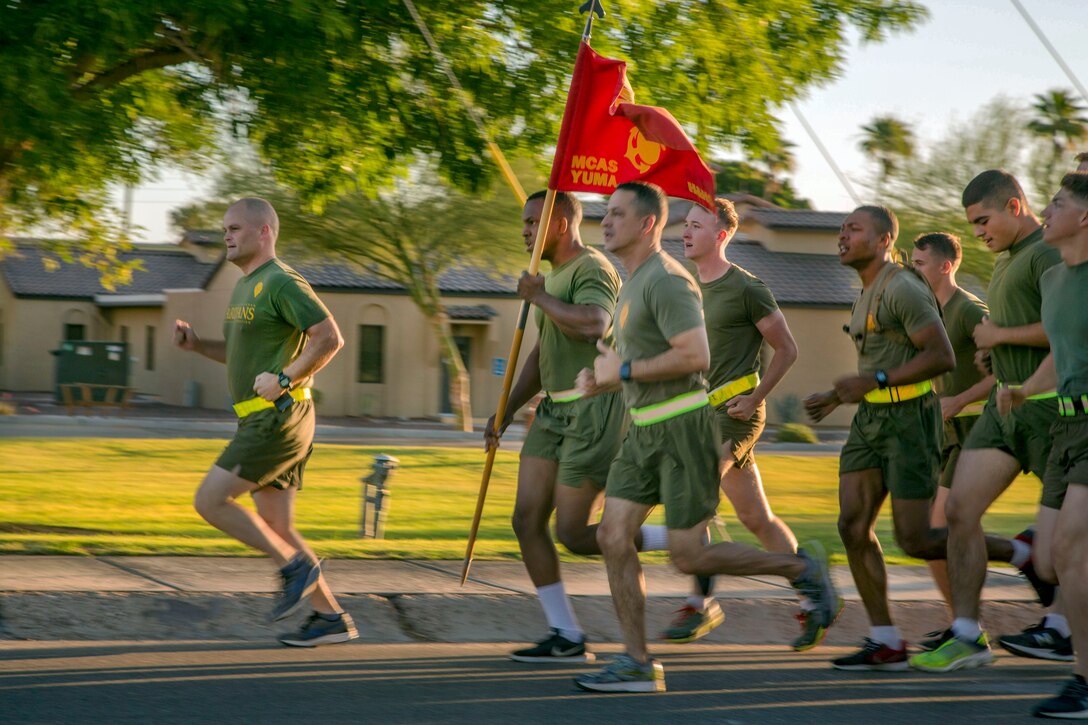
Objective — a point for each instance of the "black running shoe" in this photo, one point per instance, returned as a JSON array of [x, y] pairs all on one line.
[[319, 629], [1071, 704], [935, 639], [1043, 589], [874, 656], [299, 581], [555, 648], [1040, 642]]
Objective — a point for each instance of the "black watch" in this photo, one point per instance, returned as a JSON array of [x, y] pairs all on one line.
[[285, 382], [625, 370], [881, 379]]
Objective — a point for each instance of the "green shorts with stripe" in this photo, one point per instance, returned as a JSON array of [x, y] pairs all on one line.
[[1068, 461], [903, 440], [1024, 433], [582, 435], [742, 434], [271, 448], [673, 462], [955, 433]]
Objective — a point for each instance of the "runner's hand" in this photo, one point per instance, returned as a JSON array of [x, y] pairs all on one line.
[[491, 437], [742, 407], [185, 336], [819, 405], [1009, 399]]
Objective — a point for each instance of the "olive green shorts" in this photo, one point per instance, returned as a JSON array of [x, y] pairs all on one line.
[[955, 433], [1068, 461], [903, 440], [675, 463], [1024, 433], [582, 435], [742, 433], [271, 448]]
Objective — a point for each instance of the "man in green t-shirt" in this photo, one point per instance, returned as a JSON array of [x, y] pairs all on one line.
[[277, 335], [669, 455], [1065, 481], [999, 447], [572, 440], [894, 444]]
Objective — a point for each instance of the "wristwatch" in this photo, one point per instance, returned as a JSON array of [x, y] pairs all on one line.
[[881, 379], [285, 382], [625, 370]]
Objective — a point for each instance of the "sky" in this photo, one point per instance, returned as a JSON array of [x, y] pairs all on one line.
[[968, 52]]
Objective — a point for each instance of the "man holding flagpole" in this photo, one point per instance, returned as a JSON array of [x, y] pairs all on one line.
[[670, 453]]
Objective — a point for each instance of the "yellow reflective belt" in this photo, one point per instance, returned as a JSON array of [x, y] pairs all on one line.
[[971, 409], [564, 396], [733, 388], [671, 408], [254, 404], [1040, 396], [899, 393], [1072, 405]]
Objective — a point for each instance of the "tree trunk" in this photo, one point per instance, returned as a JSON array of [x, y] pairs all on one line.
[[460, 392]]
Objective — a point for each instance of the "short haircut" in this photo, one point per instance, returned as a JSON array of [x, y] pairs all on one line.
[[886, 223], [726, 213], [566, 204], [944, 244], [260, 211], [649, 199], [1076, 183], [993, 188], [1081, 157]]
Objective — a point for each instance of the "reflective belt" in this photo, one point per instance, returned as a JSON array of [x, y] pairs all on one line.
[[254, 404], [564, 396], [971, 409], [733, 388], [671, 408], [1072, 405], [1040, 396], [899, 393]]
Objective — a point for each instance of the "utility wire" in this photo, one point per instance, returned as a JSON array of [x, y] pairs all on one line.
[[1051, 49]]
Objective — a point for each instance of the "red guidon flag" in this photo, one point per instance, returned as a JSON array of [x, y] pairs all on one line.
[[607, 140]]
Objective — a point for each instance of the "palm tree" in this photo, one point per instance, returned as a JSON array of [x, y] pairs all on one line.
[[776, 162], [888, 141], [1060, 120]]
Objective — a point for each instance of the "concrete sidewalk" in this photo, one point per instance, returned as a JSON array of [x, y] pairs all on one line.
[[175, 598]]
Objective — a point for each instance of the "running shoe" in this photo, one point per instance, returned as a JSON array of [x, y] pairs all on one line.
[[874, 656], [1043, 589], [955, 654], [690, 623], [1040, 642], [555, 648], [318, 629], [812, 631], [816, 584], [935, 639], [1071, 704], [299, 581], [625, 674]]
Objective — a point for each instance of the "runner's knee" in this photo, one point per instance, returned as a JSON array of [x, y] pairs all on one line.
[[854, 530]]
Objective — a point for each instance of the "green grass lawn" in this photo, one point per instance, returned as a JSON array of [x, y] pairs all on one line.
[[129, 497]]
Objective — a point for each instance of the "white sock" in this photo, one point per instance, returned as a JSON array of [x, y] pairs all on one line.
[[654, 537], [887, 636], [807, 605], [1057, 622], [967, 629], [698, 601], [1021, 552], [559, 612]]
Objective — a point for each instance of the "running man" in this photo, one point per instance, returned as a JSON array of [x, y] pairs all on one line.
[[278, 335], [1065, 319], [670, 453], [572, 440], [894, 444], [999, 447]]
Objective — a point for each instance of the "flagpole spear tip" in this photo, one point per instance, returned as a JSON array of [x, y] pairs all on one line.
[[591, 7]]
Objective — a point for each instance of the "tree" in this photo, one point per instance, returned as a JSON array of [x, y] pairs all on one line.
[[335, 94], [412, 235], [742, 176], [775, 162], [888, 141], [1059, 119]]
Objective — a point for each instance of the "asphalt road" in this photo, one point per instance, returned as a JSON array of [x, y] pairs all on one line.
[[212, 682]]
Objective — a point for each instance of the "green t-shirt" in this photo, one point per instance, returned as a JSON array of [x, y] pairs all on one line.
[[1015, 300], [659, 301], [961, 314], [895, 306], [1065, 319], [269, 311], [732, 305], [587, 279]]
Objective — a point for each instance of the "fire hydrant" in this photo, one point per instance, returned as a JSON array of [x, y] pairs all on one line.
[[376, 496]]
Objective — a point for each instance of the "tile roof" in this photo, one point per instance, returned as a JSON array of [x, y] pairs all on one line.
[[798, 219], [460, 280], [168, 268], [470, 312]]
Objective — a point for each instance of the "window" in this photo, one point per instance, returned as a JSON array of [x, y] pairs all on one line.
[[149, 349], [124, 333], [371, 353], [75, 332]]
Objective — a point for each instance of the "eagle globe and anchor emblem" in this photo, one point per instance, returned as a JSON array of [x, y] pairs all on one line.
[[641, 152]]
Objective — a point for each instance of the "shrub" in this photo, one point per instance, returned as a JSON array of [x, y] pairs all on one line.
[[796, 433], [788, 408]]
